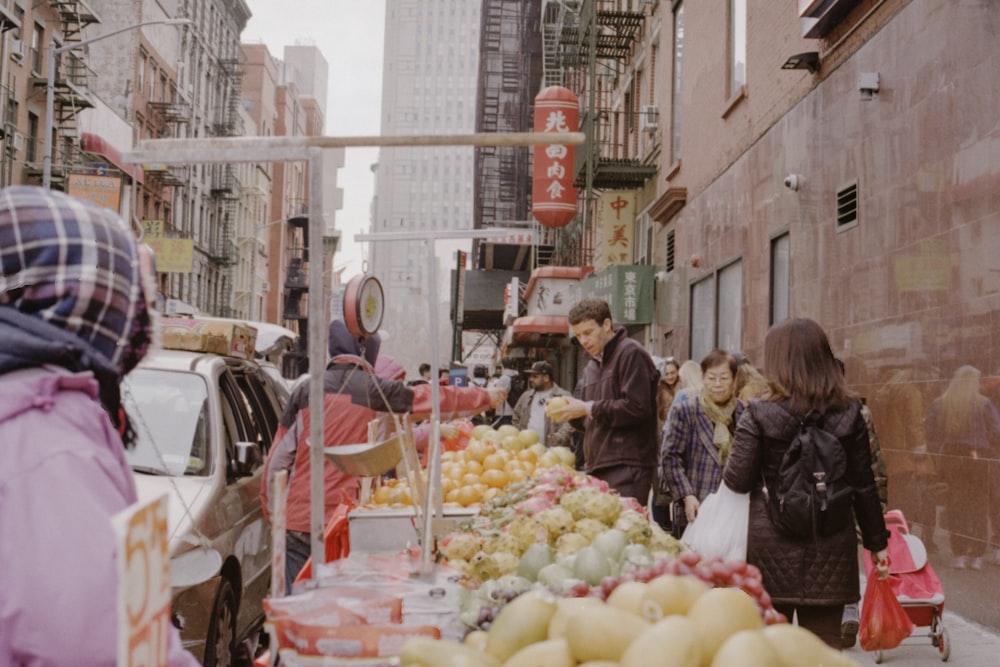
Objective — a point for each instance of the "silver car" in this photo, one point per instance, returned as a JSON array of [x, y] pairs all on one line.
[[204, 425]]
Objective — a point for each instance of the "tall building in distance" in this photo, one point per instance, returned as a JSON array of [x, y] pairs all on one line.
[[428, 87]]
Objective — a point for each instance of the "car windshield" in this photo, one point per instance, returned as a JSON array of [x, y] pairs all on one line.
[[169, 412]]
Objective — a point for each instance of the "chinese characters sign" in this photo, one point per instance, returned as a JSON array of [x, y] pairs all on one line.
[[105, 191], [553, 197], [171, 255], [615, 225], [628, 289]]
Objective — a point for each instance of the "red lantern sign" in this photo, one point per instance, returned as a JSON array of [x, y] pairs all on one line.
[[553, 197]]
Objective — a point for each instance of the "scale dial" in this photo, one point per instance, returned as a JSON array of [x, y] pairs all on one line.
[[364, 305]]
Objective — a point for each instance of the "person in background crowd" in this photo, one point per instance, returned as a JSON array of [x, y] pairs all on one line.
[[530, 409], [75, 299], [689, 381], [479, 378], [750, 383], [444, 376], [963, 425], [353, 396], [617, 408], [668, 385], [505, 413], [812, 577], [423, 375], [698, 437], [901, 409]]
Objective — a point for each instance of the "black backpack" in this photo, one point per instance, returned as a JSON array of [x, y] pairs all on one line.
[[517, 386], [812, 496]]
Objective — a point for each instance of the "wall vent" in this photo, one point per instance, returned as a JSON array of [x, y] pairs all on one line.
[[847, 205], [670, 251]]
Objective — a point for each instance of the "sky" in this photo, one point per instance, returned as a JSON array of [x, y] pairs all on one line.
[[350, 34]]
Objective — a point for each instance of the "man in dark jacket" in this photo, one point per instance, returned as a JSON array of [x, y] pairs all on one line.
[[530, 409], [617, 406]]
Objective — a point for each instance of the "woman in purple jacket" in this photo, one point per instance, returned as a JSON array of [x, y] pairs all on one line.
[[73, 321]]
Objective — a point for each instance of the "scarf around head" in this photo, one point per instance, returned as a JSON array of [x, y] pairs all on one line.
[[70, 282], [722, 418]]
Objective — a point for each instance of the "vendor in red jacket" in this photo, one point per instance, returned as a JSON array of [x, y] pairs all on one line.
[[354, 396], [617, 406]]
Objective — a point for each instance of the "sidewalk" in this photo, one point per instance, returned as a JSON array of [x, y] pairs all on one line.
[[972, 645]]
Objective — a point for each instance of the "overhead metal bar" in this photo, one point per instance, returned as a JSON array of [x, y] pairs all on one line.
[[293, 149]]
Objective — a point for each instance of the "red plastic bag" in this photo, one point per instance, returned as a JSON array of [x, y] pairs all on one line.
[[884, 622]]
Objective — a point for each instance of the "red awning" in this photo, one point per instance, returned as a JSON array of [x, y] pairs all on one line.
[[93, 143], [541, 324]]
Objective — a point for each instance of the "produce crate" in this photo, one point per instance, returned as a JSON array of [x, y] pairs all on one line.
[[202, 334], [389, 530]]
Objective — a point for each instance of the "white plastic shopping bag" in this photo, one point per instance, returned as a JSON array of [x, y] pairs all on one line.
[[720, 529]]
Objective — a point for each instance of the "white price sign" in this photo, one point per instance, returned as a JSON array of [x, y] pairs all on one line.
[[143, 584]]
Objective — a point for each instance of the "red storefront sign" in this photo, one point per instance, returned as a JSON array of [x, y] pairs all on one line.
[[553, 197]]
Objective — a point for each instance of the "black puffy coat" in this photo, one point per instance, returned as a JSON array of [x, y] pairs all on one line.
[[809, 571]]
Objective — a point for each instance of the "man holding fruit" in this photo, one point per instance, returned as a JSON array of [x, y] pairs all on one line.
[[617, 407], [531, 410]]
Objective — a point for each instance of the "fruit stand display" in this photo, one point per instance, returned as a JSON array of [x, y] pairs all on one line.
[[546, 567]]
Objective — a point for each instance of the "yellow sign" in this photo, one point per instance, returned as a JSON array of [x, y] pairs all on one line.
[[152, 229], [143, 584], [172, 255], [105, 191], [615, 225]]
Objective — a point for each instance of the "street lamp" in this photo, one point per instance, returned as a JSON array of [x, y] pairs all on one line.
[[50, 84]]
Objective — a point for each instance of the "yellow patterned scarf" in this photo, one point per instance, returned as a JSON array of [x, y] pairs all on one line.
[[722, 417]]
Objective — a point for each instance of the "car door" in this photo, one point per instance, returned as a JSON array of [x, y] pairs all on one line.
[[241, 504]]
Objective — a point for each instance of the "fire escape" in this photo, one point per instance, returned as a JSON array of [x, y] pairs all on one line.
[[296, 293], [225, 184], [168, 115], [71, 91], [509, 75], [587, 44]]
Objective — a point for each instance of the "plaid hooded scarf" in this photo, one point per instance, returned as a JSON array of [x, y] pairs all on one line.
[[70, 290]]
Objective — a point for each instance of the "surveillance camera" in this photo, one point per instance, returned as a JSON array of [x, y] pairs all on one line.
[[792, 182]]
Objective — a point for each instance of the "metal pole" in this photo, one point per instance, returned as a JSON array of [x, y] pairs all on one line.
[[253, 279], [434, 456], [317, 361], [50, 95]]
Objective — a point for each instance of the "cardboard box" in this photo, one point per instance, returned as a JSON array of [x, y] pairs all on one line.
[[216, 336]]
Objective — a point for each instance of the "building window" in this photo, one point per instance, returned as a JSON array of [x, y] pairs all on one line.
[[702, 317], [737, 46], [31, 147], [717, 311], [675, 103], [780, 253], [671, 249], [730, 315]]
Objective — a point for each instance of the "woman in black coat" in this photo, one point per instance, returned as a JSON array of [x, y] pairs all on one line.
[[814, 576]]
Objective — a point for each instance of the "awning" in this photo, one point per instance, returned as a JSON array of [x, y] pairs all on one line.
[[537, 331], [541, 324], [95, 144]]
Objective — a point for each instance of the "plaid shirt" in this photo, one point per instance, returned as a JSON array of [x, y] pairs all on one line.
[[71, 264], [689, 459]]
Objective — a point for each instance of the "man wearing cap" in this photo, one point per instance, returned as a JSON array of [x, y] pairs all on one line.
[[530, 409]]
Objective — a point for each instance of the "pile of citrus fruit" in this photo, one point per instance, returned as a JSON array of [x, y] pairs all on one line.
[[493, 459]]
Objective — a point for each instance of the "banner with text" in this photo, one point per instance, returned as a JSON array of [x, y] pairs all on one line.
[[628, 289], [615, 227]]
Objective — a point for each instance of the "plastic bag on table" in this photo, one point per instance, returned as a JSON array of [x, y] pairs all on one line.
[[884, 622], [720, 529]]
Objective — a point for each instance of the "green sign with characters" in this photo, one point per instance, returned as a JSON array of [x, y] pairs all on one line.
[[628, 289]]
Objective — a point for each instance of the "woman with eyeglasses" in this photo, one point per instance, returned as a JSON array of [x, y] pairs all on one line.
[[698, 437]]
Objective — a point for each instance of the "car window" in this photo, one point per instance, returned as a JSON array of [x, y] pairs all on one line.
[[169, 412], [261, 404]]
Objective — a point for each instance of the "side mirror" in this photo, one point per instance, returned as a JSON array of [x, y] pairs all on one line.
[[248, 457]]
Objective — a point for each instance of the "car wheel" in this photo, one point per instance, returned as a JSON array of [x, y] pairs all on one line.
[[222, 629]]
